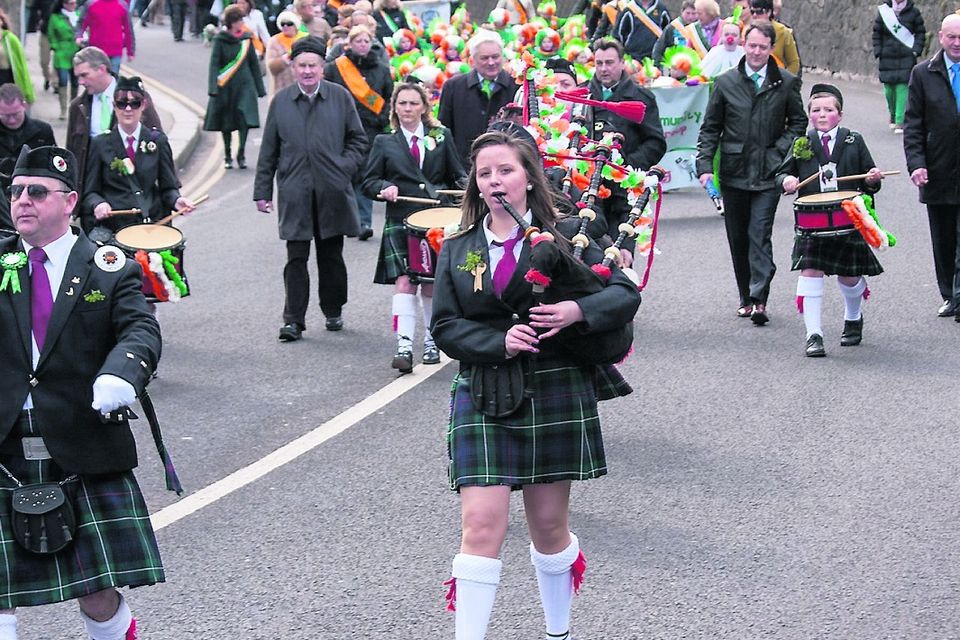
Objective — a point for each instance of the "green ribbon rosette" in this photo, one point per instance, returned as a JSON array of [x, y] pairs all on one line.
[[12, 262]]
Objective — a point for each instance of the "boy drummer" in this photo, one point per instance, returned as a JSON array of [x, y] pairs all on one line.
[[831, 151]]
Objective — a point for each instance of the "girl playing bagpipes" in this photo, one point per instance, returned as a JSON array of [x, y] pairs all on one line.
[[508, 431]]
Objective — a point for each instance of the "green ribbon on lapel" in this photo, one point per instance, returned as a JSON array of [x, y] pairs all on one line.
[[12, 262]]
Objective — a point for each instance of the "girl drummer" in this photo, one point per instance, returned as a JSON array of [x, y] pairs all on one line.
[[414, 161], [843, 253], [485, 316]]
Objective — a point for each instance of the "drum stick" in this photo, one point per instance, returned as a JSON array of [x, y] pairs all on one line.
[[124, 212], [451, 192], [173, 215], [413, 200], [808, 180], [864, 175]]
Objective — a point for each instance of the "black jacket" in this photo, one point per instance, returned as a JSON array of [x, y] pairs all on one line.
[[33, 133], [931, 133], [377, 74], [643, 144], [849, 152], [391, 163], [153, 187], [115, 335], [638, 40], [383, 29], [753, 129], [896, 59], [466, 111]]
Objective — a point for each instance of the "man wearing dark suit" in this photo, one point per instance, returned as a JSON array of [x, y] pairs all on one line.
[[313, 143], [643, 142], [91, 112], [931, 142], [129, 167], [79, 343], [16, 130], [754, 115], [469, 101]]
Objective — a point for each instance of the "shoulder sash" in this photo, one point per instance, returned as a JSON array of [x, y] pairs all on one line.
[[645, 19], [228, 70], [892, 22], [357, 85]]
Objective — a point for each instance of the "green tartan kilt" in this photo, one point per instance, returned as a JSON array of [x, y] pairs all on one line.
[[553, 436], [392, 261], [843, 255], [114, 545]]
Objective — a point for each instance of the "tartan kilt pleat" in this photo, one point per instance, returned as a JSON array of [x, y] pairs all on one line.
[[845, 255], [114, 545], [553, 436], [392, 261]]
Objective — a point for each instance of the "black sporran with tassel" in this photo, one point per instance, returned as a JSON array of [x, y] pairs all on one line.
[[43, 517]]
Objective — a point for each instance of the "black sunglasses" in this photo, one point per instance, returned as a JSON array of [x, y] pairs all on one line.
[[758, 12], [36, 192], [287, 24], [123, 104]]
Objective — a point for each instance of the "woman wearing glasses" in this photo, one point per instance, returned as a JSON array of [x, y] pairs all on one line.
[[129, 167], [278, 52]]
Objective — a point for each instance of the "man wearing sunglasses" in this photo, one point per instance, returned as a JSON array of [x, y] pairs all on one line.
[[129, 167], [785, 50], [79, 345], [91, 112]]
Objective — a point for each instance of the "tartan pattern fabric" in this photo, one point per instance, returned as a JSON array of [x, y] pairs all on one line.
[[392, 261], [553, 436], [846, 255], [114, 545]]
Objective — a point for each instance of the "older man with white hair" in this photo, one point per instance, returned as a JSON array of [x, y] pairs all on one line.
[[468, 102]]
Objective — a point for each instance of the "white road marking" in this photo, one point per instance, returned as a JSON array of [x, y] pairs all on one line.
[[293, 450]]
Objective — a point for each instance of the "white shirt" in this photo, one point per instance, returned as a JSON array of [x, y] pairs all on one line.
[[833, 138], [495, 252], [97, 106], [135, 134], [409, 136], [310, 96], [57, 252], [762, 72]]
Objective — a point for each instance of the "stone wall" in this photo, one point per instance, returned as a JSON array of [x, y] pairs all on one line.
[[832, 34]]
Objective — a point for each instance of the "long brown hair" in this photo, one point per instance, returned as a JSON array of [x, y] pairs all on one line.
[[540, 199], [429, 122]]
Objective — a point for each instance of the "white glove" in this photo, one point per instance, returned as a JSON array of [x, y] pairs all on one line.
[[110, 393]]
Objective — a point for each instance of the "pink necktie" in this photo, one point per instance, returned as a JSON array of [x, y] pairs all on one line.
[[130, 152], [507, 264], [415, 149], [826, 146], [41, 299]]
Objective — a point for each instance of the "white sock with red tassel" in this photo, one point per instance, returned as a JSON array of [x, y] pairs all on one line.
[[121, 626], [427, 302], [559, 576], [852, 299], [404, 318], [810, 303], [473, 589], [8, 626]]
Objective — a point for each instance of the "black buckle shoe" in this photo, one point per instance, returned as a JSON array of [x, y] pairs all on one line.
[[759, 315], [403, 360], [814, 348], [365, 233], [290, 332], [431, 354], [335, 323], [852, 332]]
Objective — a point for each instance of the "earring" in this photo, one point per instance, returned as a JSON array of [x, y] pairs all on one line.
[[529, 187]]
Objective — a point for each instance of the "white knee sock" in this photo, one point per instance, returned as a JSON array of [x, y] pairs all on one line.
[[8, 626], [404, 318], [113, 629], [852, 299], [427, 302], [555, 579], [476, 578], [810, 303]]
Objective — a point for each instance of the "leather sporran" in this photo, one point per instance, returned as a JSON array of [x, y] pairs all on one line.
[[43, 518], [497, 389]]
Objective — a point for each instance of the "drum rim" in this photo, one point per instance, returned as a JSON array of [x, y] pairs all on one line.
[[836, 199], [416, 227], [130, 247]]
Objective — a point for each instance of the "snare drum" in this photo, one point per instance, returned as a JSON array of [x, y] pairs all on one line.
[[822, 212], [421, 258], [153, 238]]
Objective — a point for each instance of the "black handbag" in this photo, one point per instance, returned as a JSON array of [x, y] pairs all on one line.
[[497, 390], [42, 516]]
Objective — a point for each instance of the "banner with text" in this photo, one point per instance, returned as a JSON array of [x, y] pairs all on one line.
[[681, 114]]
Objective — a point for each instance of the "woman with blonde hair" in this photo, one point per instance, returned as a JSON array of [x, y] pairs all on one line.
[[278, 52], [418, 158]]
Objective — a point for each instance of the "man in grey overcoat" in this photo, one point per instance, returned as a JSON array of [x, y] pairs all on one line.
[[313, 142]]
